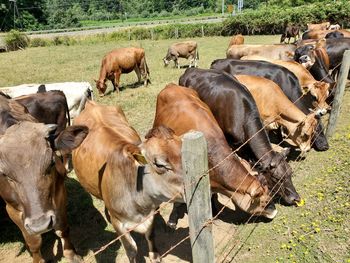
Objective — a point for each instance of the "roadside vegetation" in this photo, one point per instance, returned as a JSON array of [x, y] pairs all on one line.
[[318, 231]]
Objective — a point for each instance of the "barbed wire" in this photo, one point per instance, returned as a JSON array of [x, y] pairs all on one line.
[[224, 206]]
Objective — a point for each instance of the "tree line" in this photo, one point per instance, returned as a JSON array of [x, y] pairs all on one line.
[[51, 14]]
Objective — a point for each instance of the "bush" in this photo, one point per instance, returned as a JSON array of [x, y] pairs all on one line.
[[38, 42], [16, 40]]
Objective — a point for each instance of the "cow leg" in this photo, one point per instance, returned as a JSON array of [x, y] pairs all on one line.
[[153, 252], [128, 242], [116, 81], [138, 73], [62, 228], [32, 241]]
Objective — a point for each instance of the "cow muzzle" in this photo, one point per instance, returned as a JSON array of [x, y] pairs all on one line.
[[40, 224]]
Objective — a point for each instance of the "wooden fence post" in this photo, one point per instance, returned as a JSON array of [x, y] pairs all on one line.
[[129, 34], [339, 93], [176, 33], [202, 31], [197, 192], [152, 34]]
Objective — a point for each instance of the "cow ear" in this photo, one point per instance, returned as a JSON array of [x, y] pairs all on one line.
[[71, 138], [285, 152]]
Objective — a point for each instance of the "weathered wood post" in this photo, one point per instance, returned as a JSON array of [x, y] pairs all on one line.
[[197, 192], [202, 31], [152, 38], [129, 34], [176, 33], [339, 93]]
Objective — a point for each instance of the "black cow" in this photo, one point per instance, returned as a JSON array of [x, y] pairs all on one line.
[[289, 32], [334, 34], [237, 114], [284, 78]]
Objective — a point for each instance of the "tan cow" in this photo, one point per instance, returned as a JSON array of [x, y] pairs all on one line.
[[236, 40], [318, 34], [277, 110], [132, 177], [277, 51], [181, 109], [319, 89], [321, 26], [186, 49], [32, 176], [119, 61]]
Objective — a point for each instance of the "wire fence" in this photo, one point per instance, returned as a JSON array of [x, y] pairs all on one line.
[[227, 240]]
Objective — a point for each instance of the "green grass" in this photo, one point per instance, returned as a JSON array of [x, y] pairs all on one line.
[[316, 232]]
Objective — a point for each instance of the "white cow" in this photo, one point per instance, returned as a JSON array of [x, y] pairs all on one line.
[[76, 93]]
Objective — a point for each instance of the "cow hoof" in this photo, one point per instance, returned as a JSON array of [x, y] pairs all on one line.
[[154, 257], [171, 226]]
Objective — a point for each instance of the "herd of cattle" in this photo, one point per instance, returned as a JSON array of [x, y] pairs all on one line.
[[257, 88]]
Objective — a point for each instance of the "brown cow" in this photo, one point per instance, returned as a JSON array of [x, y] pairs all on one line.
[[236, 40], [187, 49], [319, 89], [122, 60], [289, 32], [321, 26], [181, 109], [32, 176], [132, 178], [318, 34], [277, 51], [277, 110]]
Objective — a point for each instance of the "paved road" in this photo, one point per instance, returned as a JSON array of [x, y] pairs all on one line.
[[92, 31]]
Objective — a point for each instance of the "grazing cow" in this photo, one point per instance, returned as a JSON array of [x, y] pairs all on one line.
[[48, 107], [187, 49], [77, 93], [119, 61], [318, 89], [32, 175], [237, 115], [180, 109], [318, 34], [284, 78], [278, 51], [132, 178], [275, 108], [236, 40], [321, 26], [289, 32], [334, 34]]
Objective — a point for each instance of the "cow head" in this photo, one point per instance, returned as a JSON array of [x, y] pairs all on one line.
[[166, 61], [305, 55], [302, 135], [162, 152], [32, 174], [101, 86], [320, 90], [278, 175]]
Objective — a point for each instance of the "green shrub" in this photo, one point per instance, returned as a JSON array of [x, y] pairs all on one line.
[[16, 40]]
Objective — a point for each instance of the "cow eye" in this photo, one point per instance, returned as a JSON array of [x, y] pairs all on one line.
[[161, 165]]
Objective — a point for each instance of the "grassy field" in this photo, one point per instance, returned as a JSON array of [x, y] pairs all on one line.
[[316, 232]]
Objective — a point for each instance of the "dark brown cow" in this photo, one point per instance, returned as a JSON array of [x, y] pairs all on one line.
[[32, 175], [119, 61], [187, 49], [278, 51], [48, 107], [132, 178], [289, 32], [181, 109]]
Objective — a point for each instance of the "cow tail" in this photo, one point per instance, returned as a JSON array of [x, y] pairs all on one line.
[[197, 54], [146, 67], [67, 110]]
